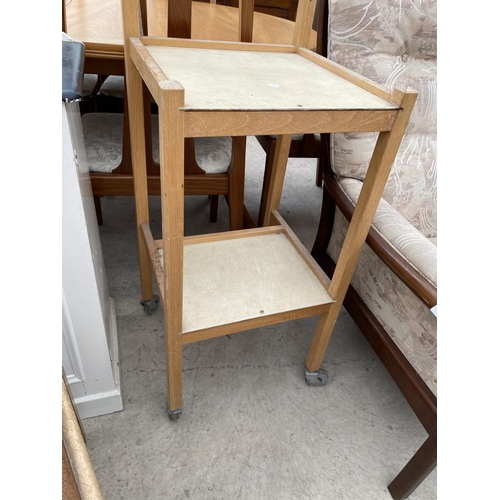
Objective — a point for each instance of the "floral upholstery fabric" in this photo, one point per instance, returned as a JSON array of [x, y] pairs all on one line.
[[89, 83], [393, 42], [409, 323], [103, 135], [113, 86], [419, 251]]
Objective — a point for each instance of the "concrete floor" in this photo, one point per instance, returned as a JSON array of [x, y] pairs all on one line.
[[251, 428]]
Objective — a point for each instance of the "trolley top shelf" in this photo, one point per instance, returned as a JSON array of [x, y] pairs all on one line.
[[232, 80]]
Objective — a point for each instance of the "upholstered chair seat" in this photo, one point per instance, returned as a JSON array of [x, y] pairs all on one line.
[[113, 86], [103, 134]]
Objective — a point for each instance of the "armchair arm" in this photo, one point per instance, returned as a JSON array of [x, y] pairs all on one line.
[[416, 281]]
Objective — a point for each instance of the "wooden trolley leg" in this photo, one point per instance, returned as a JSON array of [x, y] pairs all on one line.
[[373, 186], [174, 372], [171, 131], [138, 147], [322, 338]]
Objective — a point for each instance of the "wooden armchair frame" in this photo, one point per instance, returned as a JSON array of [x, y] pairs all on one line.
[[417, 393]]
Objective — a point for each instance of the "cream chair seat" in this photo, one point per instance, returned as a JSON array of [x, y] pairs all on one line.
[[103, 134]]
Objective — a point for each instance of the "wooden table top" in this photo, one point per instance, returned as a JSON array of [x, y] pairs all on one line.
[[98, 24]]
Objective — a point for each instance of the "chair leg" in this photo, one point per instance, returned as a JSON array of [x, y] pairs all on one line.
[[98, 210], [237, 183], [266, 181], [325, 225], [416, 470], [319, 173], [214, 207]]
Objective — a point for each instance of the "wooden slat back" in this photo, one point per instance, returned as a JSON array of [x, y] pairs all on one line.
[[180, 15], [245, 28], [179, 19], [303, 22]]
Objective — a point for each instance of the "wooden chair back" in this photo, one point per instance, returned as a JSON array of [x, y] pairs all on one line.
[[179, 16]]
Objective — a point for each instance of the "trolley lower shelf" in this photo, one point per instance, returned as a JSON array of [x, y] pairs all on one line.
[[239, 280]]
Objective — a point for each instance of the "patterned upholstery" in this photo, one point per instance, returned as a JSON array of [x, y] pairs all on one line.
[[409, 323], [113, 86], [419, 251], [103, 134], [89, 84], [394, 42]]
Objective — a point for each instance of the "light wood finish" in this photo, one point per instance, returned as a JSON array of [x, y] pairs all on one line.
[[216, 285], [272, 277], [76, 451], [287, 9], [98, 24], [371, 193], [277, 79], [304, 145]]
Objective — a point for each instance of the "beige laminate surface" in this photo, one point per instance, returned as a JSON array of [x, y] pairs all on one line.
[[249, 80], [239, 279]]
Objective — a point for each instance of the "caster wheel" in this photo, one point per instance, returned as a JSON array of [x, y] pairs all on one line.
[[316, 379], [150, 306], [174, 415]]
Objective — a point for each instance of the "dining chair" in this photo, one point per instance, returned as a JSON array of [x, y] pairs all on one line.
[[91, 82], [107, 144], [286, 9], [302, 145], [211, 285], [214, 166]]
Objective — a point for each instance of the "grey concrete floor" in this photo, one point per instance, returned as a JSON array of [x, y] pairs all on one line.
[[251, 428]]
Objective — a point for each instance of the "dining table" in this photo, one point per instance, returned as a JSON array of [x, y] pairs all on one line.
[[98, 24]]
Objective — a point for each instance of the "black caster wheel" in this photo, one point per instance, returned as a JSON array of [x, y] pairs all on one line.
[[318, 378], [174, 415], [150, 306]]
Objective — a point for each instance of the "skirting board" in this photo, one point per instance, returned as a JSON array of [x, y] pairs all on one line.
[[103, 403]]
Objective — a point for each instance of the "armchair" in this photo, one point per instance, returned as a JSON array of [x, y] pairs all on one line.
[[394, 288]]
